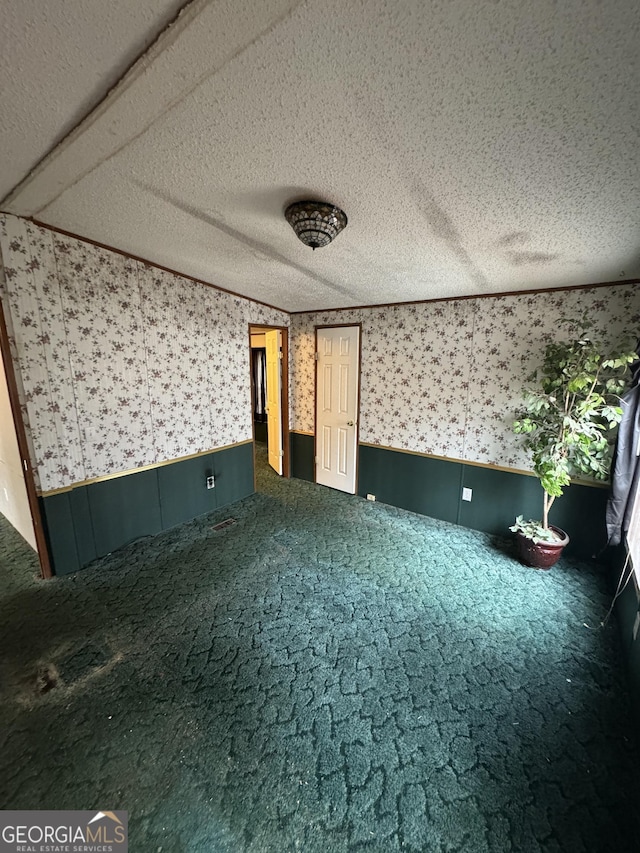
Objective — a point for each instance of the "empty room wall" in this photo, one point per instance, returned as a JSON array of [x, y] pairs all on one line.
[[440, 383], [124, 368]]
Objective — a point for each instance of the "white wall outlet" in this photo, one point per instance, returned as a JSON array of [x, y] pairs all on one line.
[[467, 494], [371, 497], [211, 483], [636, 625]]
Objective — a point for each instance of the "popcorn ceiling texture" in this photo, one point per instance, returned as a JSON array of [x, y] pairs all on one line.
[[476, 147], [59, 61], [121, 365], [445, 378]]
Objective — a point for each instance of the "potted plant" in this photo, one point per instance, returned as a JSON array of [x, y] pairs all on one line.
[[571, 405]]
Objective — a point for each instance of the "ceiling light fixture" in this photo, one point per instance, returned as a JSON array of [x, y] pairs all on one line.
[[315, 222]]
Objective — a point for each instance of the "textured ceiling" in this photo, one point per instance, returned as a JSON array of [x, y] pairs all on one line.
[[58, 60], [476, 147]]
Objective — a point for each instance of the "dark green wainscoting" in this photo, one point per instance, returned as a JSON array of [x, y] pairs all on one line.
[[498, 496], [434, 487], [418, 483], [92, 520], [301, 449]]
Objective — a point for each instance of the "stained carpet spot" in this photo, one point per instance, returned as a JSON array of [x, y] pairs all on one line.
[[47, 678], [82, 662]]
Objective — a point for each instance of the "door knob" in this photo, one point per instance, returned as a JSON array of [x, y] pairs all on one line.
[[349, 423]]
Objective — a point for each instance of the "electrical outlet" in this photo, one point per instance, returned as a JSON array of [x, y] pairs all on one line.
[[211, 483], [636, 625], [467, 494], [371, 497]]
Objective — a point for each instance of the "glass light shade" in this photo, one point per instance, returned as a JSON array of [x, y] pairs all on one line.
[[315, 222]]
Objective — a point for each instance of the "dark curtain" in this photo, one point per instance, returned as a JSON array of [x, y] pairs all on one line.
[[625, 468], [259, 368]]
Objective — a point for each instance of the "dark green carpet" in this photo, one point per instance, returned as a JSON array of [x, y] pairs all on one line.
[[325, 675]]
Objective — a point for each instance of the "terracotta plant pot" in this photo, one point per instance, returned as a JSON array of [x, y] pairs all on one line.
[[541, 555]]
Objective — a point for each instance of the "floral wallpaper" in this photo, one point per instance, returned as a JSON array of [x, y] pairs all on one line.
[[509, 337], [101, 312], [121, 364], [444, 378], [33, 310]]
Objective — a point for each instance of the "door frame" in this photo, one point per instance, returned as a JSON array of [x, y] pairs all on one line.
[[284, 397], [315, 395], [23, 446]]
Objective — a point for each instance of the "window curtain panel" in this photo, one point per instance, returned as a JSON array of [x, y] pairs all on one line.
[[259, 366], [625, 468]]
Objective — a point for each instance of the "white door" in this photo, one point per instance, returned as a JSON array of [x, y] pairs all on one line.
[[273, 340], [337, 378]]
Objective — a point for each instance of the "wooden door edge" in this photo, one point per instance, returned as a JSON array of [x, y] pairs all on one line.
[[44, 557], [284, 399]]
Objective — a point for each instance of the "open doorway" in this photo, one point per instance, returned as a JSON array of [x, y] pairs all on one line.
[[269, 360]]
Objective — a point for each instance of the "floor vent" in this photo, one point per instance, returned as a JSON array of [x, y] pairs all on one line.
[[227, 523]]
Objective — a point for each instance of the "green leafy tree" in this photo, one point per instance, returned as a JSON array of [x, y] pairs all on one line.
[[571, 405]]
